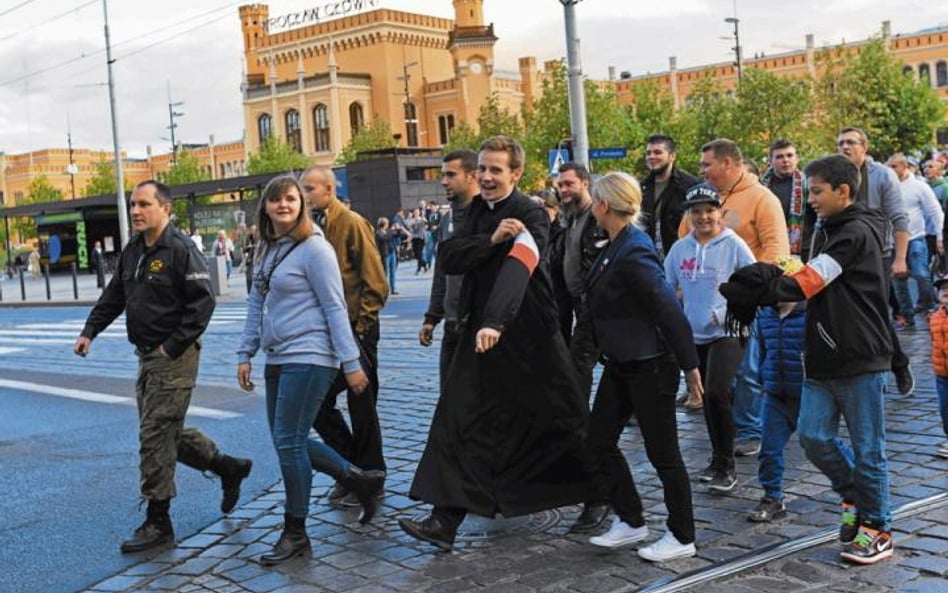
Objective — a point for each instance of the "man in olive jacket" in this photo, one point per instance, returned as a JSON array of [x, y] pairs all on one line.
[[366, 289]]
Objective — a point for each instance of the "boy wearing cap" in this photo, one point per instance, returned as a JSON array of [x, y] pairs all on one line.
[[696, 265], [938, 327], [848, 349]]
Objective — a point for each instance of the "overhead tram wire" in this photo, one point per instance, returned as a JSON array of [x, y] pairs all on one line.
[[47, 21], [16, 7], [97, 52]]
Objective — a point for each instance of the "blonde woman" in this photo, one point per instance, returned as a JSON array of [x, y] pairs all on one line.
[[296, 313], [645, 338]]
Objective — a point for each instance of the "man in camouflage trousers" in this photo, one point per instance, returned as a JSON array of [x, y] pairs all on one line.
[[162, 284]]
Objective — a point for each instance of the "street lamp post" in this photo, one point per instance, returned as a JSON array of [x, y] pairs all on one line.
[[172, 125], [119, 173], [577, 99], [737, 46]]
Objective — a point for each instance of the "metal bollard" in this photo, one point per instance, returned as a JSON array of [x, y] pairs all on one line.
[[45, 271], [75, 283], [22, 286]]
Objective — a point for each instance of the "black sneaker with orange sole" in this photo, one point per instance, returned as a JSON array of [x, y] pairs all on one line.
[[869, 546]]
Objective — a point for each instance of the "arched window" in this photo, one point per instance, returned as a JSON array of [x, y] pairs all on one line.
[[293, 134], [941, 73], [321, 119], [264, 127], [924, 74], [906, 69], [356, 117], [223, 171], [411, 124]]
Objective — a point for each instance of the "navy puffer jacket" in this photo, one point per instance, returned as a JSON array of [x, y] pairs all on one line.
[[781, 367]]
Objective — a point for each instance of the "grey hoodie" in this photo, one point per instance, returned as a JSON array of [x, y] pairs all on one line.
[[697, 270]]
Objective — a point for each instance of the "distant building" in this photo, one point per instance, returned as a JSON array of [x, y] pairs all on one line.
[[925, 54]]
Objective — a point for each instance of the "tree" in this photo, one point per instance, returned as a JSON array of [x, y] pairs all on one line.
[[276, 156], [463, 136], [103, 181], [377, 135], [492, 120], [186, 169], [869, 90], [770, 107], [41, 190]]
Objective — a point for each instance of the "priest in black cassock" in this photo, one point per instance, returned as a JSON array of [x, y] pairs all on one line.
[[507, 436]]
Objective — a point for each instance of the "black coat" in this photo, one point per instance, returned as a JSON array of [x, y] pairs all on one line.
[[671, 207], [508, 433]]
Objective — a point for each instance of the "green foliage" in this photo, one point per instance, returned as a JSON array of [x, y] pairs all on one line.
[[41, 190], [276, 156], [869, 90], [377, 135], [463, 136], [103, 182], [186, 169]]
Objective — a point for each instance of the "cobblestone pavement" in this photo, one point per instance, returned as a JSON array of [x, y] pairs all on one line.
[[536, 553]]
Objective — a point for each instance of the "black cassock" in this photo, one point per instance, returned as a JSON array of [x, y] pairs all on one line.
[[508, 433]]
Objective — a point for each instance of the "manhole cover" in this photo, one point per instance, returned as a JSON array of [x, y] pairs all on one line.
[[477, 528]]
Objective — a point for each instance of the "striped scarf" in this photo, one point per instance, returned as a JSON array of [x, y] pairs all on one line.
[[798, 197]]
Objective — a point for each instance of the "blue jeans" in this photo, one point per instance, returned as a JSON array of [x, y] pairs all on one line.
[[863, 480], [748, 391], [941, 386], [391, 265], [917, 262], [778, 417], [431, 246], [294, 394]]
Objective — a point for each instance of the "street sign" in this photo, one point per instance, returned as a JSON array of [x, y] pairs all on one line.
[[608, 153], [558, 156]]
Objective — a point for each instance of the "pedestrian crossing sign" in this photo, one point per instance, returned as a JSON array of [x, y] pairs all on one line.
[[558, 157]]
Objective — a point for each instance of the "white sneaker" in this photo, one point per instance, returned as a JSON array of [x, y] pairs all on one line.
[[667, 548], [620, 534]]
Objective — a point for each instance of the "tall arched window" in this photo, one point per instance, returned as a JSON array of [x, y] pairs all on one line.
[[264, 127], [356, 117], [293, 134], [321, 121], [925, 74], [411, 124], [941, 73]]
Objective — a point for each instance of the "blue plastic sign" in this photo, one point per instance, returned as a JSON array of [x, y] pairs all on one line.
[[558, 156]]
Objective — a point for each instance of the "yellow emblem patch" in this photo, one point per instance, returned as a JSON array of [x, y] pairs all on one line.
[[155, 265]]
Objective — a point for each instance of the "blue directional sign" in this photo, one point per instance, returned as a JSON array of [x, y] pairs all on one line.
[[558, 156], [608, 153]]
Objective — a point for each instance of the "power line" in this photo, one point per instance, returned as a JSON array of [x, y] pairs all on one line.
[[29, 75], [48, 21], [18, 6]]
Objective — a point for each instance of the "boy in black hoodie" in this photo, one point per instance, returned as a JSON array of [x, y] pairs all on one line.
[[847, 349]]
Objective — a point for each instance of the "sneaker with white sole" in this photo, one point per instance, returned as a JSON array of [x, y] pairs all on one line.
[[620, 534], [667, 548], [942, 450]]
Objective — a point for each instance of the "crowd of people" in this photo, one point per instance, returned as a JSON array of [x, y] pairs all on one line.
[[778, 298]]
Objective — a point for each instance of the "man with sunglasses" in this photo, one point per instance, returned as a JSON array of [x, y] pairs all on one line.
[[163, 286]]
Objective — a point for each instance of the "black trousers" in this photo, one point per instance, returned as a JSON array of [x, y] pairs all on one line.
[[362, 445], [719, 361], [418, 250], [582, 346], [646, 389]]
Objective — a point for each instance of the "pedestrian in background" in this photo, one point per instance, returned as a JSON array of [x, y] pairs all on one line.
[[224, 247], [297, 314], [163, 286], [938, 327]]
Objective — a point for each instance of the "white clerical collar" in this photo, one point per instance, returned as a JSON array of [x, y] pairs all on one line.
[[491, 204]]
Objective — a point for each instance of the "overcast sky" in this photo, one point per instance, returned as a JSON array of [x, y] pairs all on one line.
[[52, 53]]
